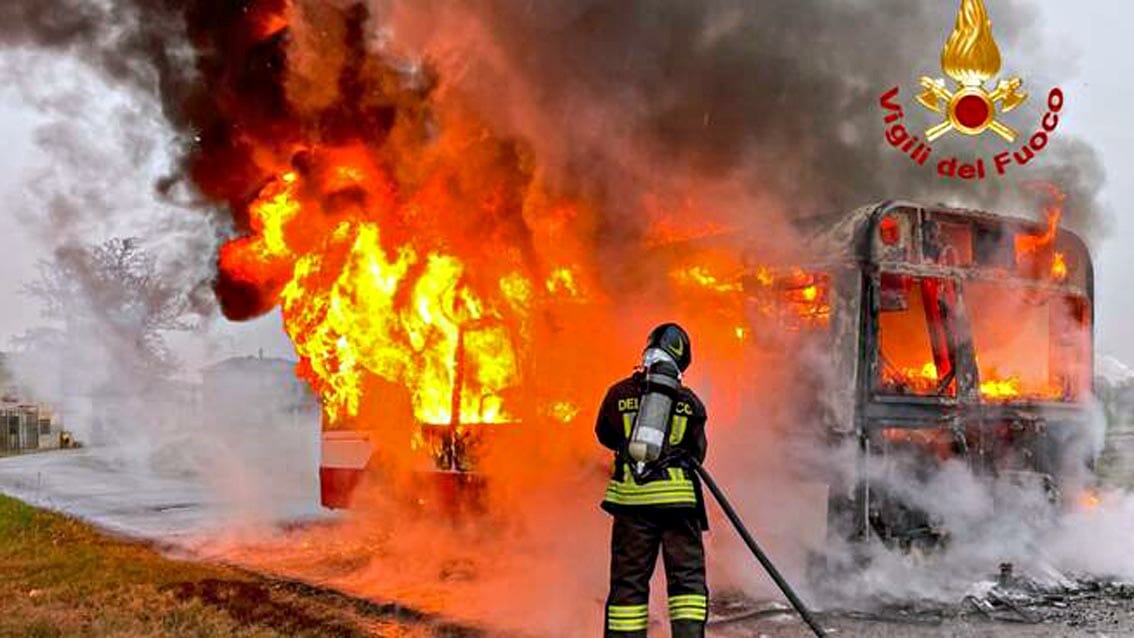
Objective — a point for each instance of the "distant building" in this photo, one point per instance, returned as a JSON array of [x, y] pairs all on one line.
[[25, 425], [257, 388]]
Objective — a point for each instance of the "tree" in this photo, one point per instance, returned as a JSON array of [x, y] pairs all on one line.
[[113, 293]]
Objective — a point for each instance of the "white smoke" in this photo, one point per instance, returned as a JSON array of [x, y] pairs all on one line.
[[147, 407]]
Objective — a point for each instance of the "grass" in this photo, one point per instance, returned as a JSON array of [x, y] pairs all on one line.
[[61, 577]]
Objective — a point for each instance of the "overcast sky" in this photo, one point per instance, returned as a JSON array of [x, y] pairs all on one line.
[[1097, 34], [1093, 33]]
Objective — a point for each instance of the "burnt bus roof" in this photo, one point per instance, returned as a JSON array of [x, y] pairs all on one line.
[[843, 237]]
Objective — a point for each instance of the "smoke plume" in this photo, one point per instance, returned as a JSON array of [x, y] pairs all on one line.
[[763, 101], [628, 97]]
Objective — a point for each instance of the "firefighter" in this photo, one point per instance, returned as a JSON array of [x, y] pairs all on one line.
[[653, 494]]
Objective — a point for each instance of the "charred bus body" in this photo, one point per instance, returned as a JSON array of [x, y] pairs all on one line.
[[955, 334], [943, 334]]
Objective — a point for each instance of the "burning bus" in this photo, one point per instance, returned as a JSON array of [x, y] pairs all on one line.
[[945, 334], [449, 442], [952, 334]]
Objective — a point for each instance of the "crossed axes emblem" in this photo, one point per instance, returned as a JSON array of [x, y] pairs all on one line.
[[971, 109]]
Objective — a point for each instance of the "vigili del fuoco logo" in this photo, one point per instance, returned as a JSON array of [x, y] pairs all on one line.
[[967, 106]]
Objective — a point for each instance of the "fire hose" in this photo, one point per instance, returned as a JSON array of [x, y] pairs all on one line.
[[757, 552]]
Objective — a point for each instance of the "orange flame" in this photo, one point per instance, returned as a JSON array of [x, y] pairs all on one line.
[[994, 388], [1059, 267], [365, 302], [1000, 389], [408, 318], [1089, 499], [562, 281], [920, 381], [1033, 249], [794, 298], [700, 276]]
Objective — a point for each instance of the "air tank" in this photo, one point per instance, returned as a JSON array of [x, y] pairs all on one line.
[[651, 425]]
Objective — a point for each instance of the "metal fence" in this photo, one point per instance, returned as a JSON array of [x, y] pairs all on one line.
[[21, 428]]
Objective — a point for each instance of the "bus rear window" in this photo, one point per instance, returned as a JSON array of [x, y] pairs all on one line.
[[913, 336], [1030, 344], [947, 244]]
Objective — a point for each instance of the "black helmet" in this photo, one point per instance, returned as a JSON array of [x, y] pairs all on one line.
[[673, 339]]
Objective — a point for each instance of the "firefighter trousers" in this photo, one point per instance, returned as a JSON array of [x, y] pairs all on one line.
[[635, 541]]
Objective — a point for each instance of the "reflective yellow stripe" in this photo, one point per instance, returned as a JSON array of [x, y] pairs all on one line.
[[660, 487], [628, 625], [659, 500], [700, 599], [627, 611], [689, 607], [656, 486], [628, 494], [628, 422], [676, 474], [627, 617], [670, 487], [677, 429], [669, 492]]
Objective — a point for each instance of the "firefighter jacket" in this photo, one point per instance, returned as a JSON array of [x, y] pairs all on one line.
[[669, 482]]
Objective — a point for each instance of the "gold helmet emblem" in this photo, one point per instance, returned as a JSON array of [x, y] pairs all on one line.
[[971, 57]]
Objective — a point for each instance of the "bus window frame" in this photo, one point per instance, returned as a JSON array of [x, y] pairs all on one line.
[[960, 277], [873, 382]]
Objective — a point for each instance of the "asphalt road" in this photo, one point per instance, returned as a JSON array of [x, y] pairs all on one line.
[[116, 492]]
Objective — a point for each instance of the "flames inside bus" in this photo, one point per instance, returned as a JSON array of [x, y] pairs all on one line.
[[957, 335], [966, 336]]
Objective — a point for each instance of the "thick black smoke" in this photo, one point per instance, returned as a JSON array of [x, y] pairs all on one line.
[[781, 97], [621, 97]]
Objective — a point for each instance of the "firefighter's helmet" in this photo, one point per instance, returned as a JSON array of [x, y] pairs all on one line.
[[674, 340]]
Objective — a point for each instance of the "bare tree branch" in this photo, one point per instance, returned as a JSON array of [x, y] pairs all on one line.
[[117, 287]]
